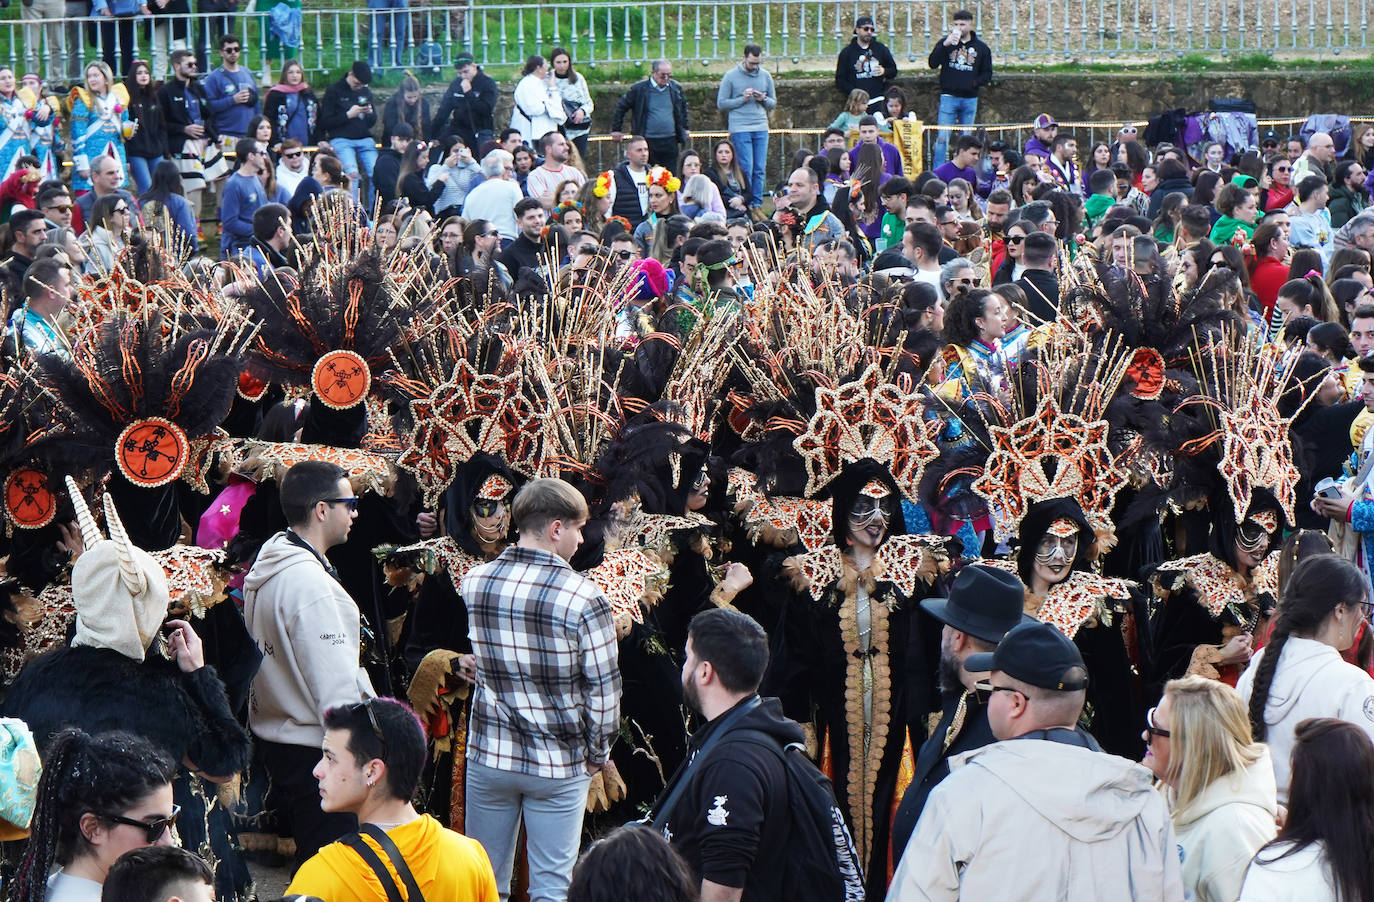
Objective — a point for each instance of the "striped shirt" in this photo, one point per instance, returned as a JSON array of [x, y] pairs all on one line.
[[548, 681]]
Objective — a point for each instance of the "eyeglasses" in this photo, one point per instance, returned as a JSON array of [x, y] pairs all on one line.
[[987, 689], [1283, 168], [293, 154], [867, 28], [961, 281], [153, 830], [1129, 130], [372, 719], [1150, 728], [350, 503]]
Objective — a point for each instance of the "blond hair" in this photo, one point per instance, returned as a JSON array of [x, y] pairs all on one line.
[[857, 104], [1209, 736]]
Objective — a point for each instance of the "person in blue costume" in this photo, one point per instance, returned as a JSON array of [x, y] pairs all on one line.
[[99, 125], [29, 125]]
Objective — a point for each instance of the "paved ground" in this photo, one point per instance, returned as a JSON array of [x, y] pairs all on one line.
[[271, 882]]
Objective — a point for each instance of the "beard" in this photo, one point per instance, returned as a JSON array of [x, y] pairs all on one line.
[[690, 695], [950, 673]]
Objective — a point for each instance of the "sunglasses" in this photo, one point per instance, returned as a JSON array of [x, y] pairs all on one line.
[[492, 234], [293, 154], [350, 503], [61, 208], [230, 50], [625, 255], [372, 720], [121, 210], [1150, 728], [484, 508], [985, 691], [153, 830], [1015, 239]]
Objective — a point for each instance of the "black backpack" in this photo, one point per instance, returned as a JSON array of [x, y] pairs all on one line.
[[822, 863]]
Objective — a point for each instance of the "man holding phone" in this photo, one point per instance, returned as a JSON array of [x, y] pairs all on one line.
[[746, 96], [965, 65], [347, 117]]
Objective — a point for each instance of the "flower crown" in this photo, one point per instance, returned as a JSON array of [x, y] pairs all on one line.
[[603, 185], [629, 229], [664, 179], [566, 207]]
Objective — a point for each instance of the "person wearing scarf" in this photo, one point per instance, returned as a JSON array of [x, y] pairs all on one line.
[[291, 107]]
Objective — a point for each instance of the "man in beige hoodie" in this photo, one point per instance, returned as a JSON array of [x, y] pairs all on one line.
[[309, 631]]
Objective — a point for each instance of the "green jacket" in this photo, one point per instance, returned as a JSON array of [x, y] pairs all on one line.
[[1344, 205]]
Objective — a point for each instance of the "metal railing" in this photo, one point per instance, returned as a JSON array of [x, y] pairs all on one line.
[[804, 33]]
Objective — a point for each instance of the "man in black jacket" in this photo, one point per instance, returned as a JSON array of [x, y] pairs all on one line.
[[469, 102], [1038, 280], [983, 605], [523, 252], [965, 65], [347, 116], [658, 111], [731, 819], [865, 64], [191, 131], [387, 170]]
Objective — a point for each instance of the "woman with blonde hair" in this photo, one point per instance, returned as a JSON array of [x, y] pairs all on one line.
[[1218, 780]]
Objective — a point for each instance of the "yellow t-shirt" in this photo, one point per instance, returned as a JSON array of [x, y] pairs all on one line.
[[448, 867]]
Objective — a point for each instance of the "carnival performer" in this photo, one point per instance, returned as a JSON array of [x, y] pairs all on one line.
[[30, 126], [99, 124]]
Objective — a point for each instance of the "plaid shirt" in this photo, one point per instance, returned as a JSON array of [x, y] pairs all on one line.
[[548, 681]]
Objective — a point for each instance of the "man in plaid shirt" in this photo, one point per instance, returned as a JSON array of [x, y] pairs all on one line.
[[547, 706]]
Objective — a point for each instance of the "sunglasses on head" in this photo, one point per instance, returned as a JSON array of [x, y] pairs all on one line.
[[372, 721], [153, 829]]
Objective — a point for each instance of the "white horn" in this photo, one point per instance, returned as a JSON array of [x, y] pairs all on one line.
[[134, 579], [90, 533]]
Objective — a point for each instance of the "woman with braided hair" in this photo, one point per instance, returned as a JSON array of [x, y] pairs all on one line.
[[1300, 672], [99, 797]]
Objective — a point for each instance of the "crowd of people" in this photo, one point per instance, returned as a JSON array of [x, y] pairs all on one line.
[[1002, 527]]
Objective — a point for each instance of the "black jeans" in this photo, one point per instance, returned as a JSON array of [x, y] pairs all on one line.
[[298, 792], [663, 152]]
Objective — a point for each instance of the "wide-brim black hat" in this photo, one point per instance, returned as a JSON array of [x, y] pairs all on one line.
[[984, 602]]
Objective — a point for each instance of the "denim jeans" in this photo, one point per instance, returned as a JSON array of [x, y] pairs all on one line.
[[552, 810], [390, 33], [752, 150], [141, 171], [953, 111], [352, 152]]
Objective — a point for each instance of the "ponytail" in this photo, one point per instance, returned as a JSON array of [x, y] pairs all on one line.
[[1318, 584]]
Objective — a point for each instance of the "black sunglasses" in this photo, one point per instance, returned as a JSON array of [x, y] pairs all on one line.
[[1150, 728], [292, 154], [492, 234], [376, 727], [1015, 239], [625, 255], [153, 830], [350, 503], [986, 690]]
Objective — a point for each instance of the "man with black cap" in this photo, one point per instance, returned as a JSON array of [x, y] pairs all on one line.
[[1042, 813], [469, 102], [865, 64], [984, 604]]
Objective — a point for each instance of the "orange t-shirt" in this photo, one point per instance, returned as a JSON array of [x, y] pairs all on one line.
[[448, 867]]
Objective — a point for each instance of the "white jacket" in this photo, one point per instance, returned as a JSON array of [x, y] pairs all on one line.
[[538, 109], [1222, 829], [309, 631], [1312, 680], [1302, 875], [1037, 820]]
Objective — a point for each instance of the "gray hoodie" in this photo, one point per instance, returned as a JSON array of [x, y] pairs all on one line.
[[746, 115], [1077, 824], [309, 632]]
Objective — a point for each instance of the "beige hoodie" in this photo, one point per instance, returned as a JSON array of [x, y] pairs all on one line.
[[1222, 829], [309, 631]]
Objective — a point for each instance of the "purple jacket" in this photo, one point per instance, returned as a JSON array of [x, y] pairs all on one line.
[[892, 160]]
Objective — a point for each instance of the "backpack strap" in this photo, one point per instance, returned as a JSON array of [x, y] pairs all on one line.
[[664, 808], [369, 856], [398, 861]]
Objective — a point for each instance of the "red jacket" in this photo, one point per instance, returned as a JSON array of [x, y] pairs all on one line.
[[1266, 279], [15, 191]]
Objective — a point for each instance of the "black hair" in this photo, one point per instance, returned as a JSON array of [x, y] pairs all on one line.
[[1169, 168], [1039, 249], [967, 142], [962, 315], [1346, 291], [401, 746], [307, 484], [103, 209], [243, 147], [894, 186], [734, 644], [632, 862], [1310, 185], [40, 276], [1102, 181], [1331, 337], [154, 873], [83, 774], [526, 204], [926, 237], [1331, 803], [1297, 327], [163, 183], [268, 218], [1318, 584], [918, 297]]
